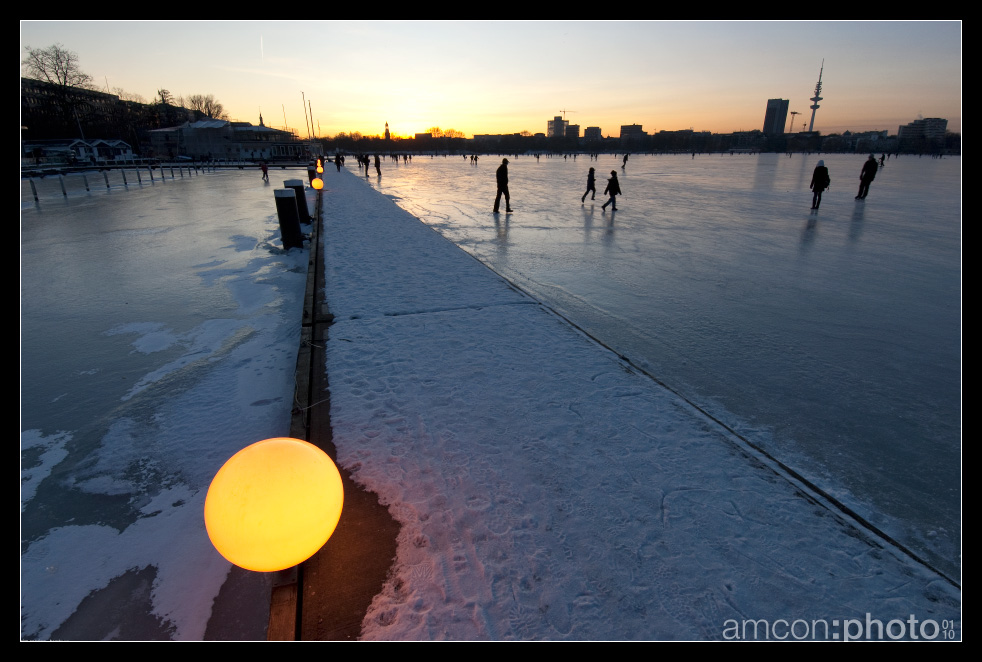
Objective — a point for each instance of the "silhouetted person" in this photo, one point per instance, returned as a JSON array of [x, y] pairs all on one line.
[[502, 176], [624, 164], [378, 166], [591, 185], [337, 161], [613, 190], [265, 169], [820, 182], [866, 176]]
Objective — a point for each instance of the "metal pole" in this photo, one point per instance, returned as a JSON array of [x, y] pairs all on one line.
[[305, 114]]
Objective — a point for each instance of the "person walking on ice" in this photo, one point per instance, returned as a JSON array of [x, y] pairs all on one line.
[[820, 182], [502, 177], [613, 190], [591, 185], [866, 176]]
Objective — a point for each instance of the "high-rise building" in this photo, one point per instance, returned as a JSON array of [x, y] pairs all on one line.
[[556, 127], [926, 131], [775, 117], [632, 131], [592, 133]]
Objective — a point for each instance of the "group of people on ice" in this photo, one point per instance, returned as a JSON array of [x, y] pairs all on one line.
[[821, 180]]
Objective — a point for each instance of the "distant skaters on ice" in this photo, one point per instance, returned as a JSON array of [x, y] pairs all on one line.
[[624, 164], [265, 169], [820, 182], [613, 190], [591, 185], [866, 176], [502, 178]]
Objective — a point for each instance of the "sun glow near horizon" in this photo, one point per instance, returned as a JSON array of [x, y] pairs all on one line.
[[509, 77]]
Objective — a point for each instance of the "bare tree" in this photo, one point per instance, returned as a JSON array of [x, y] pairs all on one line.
[[207, 105], [55, 64], [59, 67], [128, 96], [453, 133], [434, 132]]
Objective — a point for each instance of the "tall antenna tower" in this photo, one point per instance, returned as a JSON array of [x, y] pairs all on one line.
[[818, 96]]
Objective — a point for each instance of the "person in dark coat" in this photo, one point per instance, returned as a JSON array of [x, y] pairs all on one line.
[[866, 176], [613, 190], [820, 182], [502, 177], [591, 185]]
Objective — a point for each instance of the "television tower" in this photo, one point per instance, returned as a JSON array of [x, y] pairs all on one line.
[[815, 99]]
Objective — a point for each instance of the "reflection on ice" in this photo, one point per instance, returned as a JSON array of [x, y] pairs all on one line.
[[830, 338]]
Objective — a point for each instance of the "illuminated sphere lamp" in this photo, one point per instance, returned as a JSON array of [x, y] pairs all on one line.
[[320, 168], [273, 504], [317, 183]]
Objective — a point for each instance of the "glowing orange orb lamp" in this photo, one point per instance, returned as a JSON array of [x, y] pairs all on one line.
[[273, 504], [317, 183]]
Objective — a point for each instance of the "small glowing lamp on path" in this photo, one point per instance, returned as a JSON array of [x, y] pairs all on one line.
[[317, 183], [273, 504]]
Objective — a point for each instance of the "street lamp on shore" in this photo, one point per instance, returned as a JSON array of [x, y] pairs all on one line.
[[273, 504]]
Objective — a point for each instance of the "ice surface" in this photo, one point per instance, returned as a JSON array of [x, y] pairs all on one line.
[[160, 327], [832, 339], [546, 488]]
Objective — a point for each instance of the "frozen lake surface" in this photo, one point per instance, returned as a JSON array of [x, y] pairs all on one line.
[[160, 325], [159, 335], [832, 340]]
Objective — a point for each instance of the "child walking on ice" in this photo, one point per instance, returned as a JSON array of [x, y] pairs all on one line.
[[591, 185]]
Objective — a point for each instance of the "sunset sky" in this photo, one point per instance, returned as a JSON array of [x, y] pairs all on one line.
[[507, 77]]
